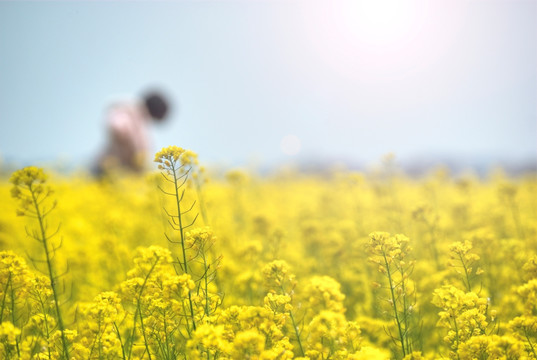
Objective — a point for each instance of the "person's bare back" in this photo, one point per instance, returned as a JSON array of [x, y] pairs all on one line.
[[128, 143]]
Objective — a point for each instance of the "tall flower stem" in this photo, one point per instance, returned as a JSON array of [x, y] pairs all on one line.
[[139, 311], [394, 306], [390, 255], [51, 273], [4, 298], [178, 199], [295, 326]]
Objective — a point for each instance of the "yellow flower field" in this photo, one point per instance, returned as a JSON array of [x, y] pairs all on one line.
[[180, 264]]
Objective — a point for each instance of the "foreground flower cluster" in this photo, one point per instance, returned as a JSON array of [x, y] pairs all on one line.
[[183, 265]]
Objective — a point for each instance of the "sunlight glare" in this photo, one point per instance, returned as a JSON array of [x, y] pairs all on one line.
[[365, 39]]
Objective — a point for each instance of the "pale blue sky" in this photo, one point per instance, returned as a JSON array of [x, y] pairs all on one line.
[[349, 80]]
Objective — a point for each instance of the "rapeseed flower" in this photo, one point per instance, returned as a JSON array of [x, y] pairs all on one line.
[[281, 273]]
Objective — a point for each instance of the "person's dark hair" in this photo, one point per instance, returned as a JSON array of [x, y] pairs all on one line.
[[157, 105]]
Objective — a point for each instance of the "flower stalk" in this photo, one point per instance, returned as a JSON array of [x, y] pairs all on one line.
[[30, 189]]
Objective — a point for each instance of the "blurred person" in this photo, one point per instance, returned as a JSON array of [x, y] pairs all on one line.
[[128, 123]]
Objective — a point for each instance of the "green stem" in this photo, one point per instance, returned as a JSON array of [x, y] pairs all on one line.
[[530, 344], [51, 274], [456, 336], [179, 216], [4, 298], [296, 332], [97, 342], [405, 310], [13, 319], [207, 307], [166, 336], [138, 307], [468, 285], [188, 330], [295, 327], [394, 303], [120, 341], [143, 332], [46, 325]]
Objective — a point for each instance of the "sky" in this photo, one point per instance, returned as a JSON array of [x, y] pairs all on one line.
[[271, 82]]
